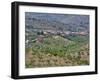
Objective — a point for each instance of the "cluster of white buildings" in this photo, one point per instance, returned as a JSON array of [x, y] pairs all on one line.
[[57, 32]]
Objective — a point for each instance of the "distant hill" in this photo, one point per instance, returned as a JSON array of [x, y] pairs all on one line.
[[67, 22]]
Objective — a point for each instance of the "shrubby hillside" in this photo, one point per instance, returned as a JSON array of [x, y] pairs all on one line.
[[56, 40]]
